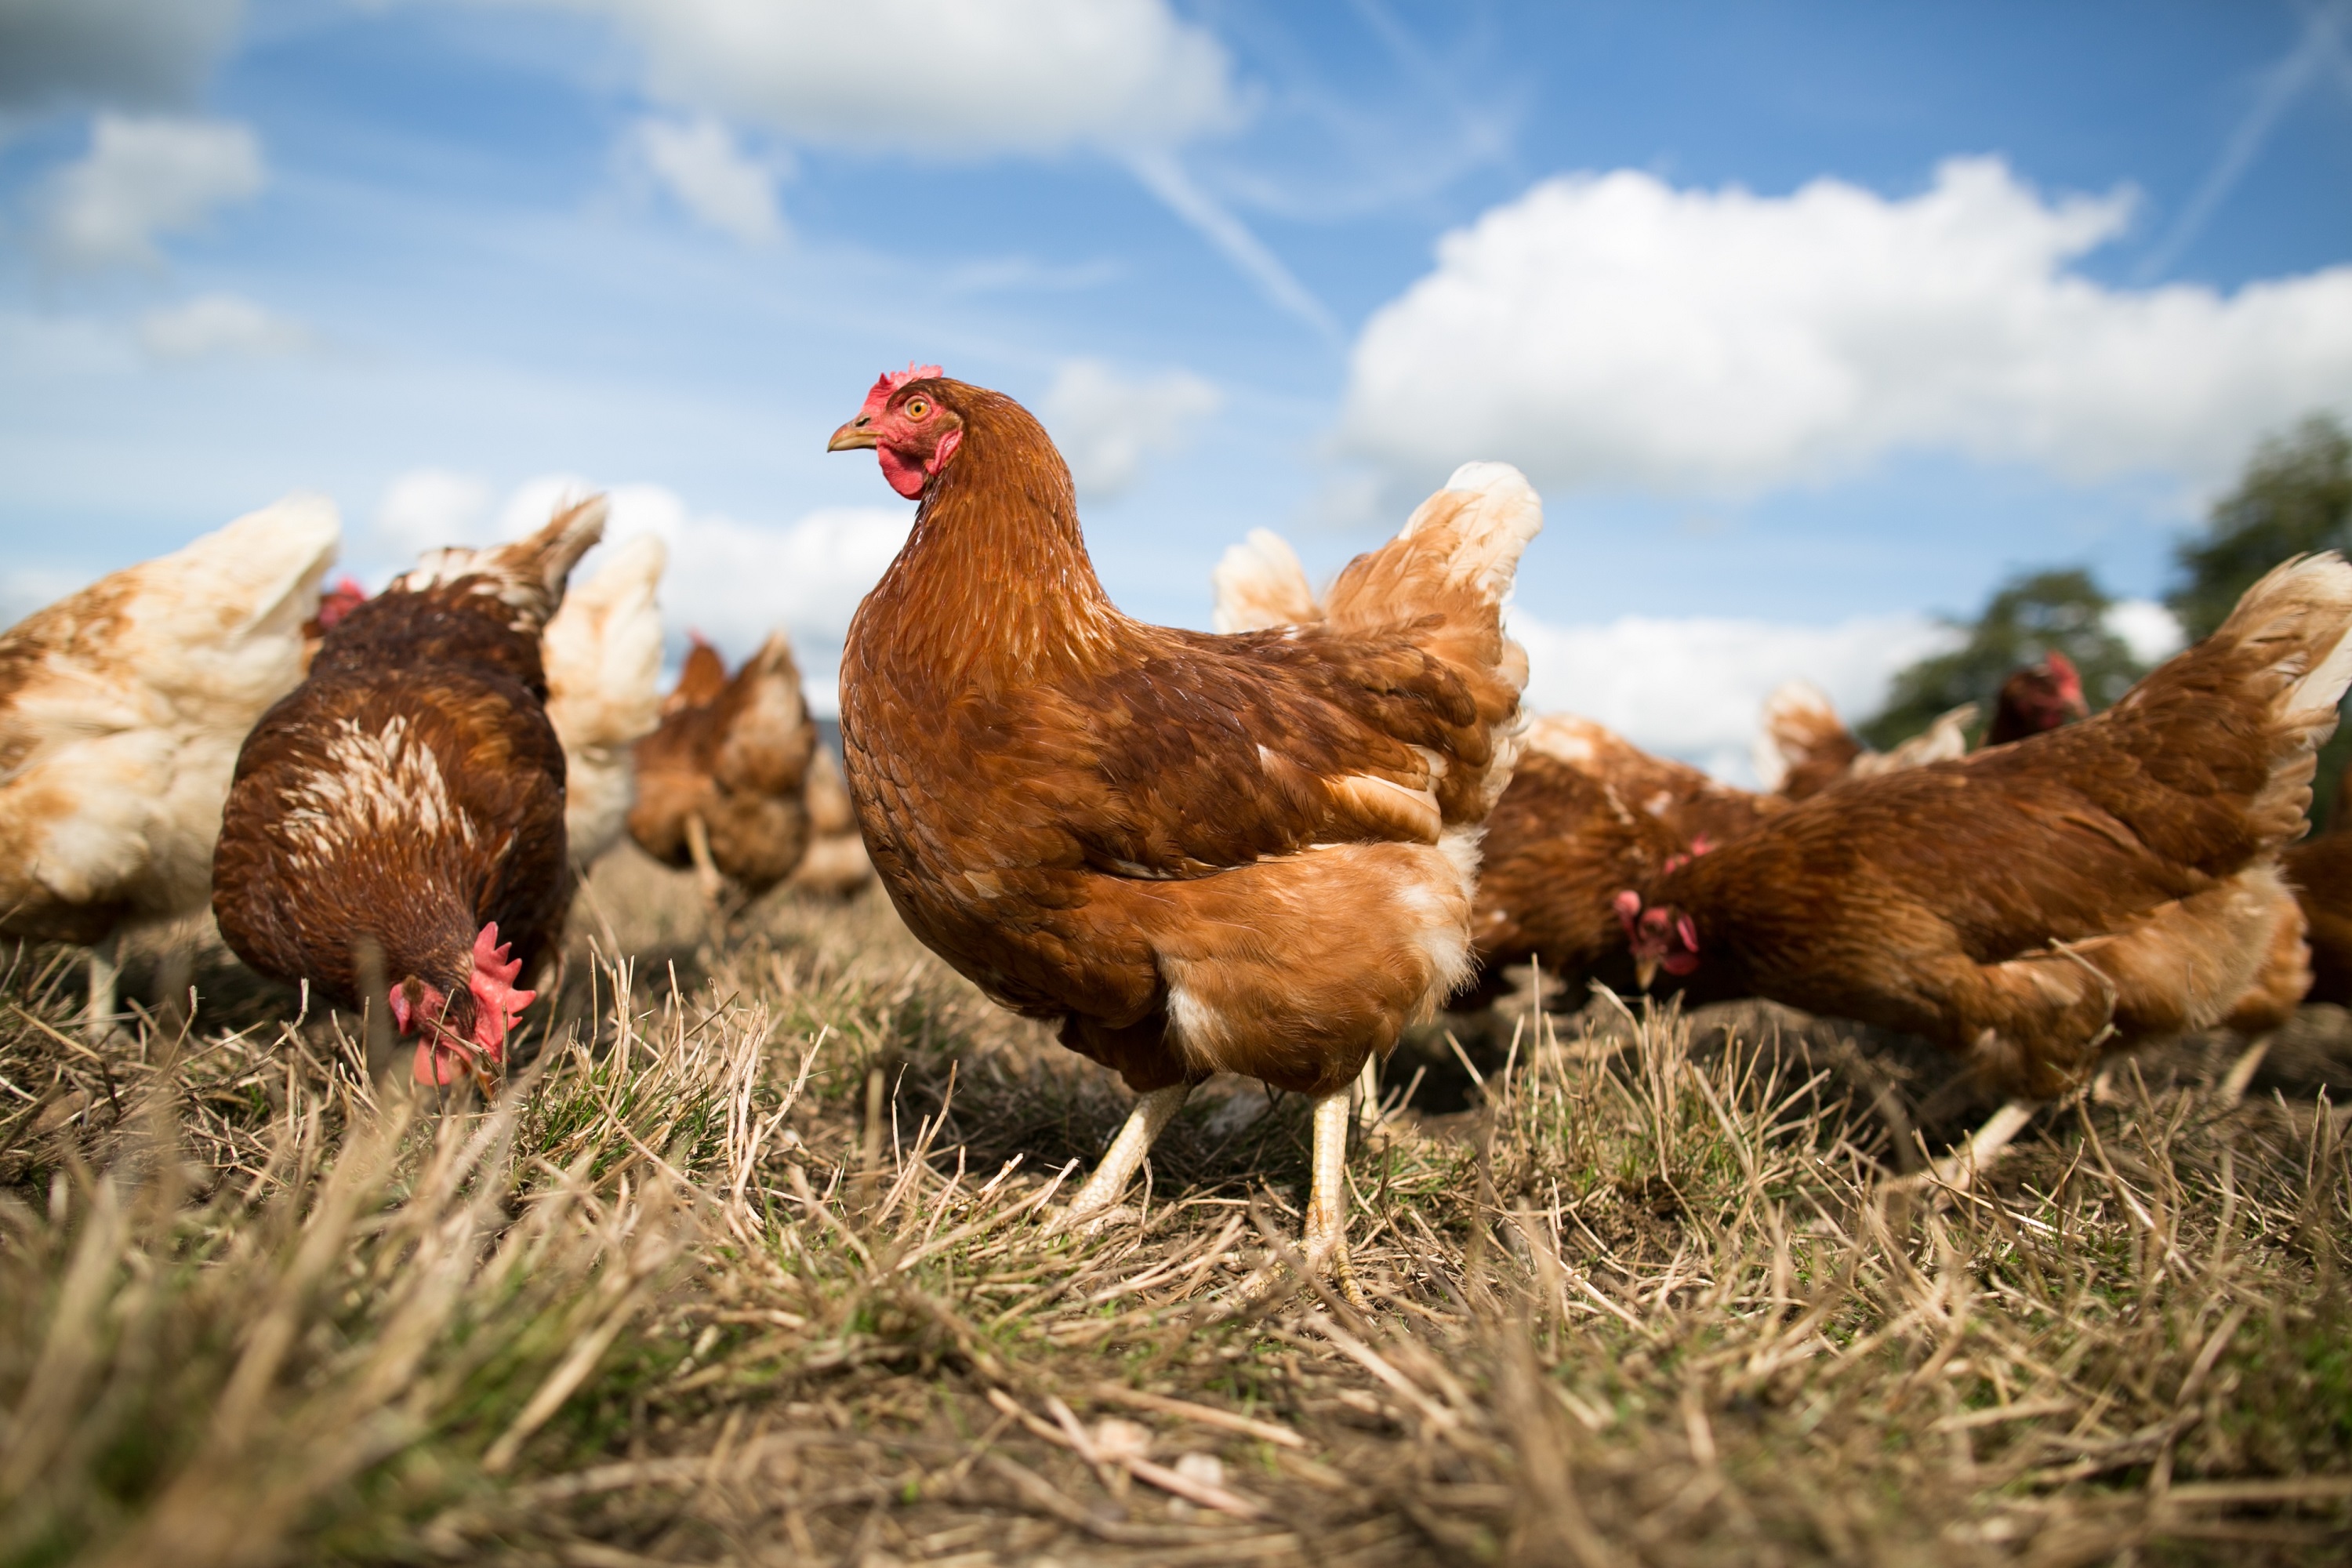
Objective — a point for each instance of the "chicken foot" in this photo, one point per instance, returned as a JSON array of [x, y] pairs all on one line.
[[706, 871], [1152, 1113], [1326, 1205]]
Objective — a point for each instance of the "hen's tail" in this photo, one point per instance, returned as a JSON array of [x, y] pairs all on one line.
[[604, 671], [2265, 687], [526, 576], [1440, 585], [1800, 725], [1260, 584], [1944, 737]]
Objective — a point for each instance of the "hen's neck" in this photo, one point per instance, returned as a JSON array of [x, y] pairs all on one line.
[[994, 585]]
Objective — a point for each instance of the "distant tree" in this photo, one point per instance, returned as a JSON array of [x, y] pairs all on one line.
[[2295, 495], [2027, 617]]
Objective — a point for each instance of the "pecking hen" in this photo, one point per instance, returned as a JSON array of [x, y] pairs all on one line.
[[2034, 903], [122, 708], [398, 819], [1200, 853], [603, 653], [721, 782]]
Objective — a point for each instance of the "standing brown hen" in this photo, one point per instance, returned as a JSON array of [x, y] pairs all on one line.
[[721, 782], [2032, 903], [1201, 853], [405, 805]]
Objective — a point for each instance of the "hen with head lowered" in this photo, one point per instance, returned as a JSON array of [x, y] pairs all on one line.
[[398, 820], [122, 709], [2034, 903], [1200, 853]]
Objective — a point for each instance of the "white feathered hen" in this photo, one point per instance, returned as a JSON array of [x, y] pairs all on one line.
[[122, 710], [604, 673]]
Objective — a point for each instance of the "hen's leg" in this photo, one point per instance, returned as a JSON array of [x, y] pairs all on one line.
[[706, 871], [105, 969], [1326, 1206], [1959, 1169], [1367, 1093], [1152, 1113]]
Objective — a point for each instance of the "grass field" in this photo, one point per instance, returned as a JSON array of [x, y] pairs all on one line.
[[746, 1266]]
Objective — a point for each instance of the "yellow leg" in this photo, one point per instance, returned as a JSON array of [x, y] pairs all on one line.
[[1326, 1206], [706, 871], [1125, 1156]]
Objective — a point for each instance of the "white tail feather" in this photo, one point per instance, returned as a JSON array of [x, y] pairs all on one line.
[[1260, 584]]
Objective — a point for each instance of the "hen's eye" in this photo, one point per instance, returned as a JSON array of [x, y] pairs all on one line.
[[917, 408]]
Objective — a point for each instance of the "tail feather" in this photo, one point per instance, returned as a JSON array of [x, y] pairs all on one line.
[[2282, 659], [1800, 722], [528, 575], [1439, 583], [1260, 584], [1944, 737]]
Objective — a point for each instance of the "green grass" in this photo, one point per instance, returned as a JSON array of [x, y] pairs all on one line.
[[747, 1269]]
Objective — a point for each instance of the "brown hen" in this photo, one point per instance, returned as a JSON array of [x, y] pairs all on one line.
[[2034, 903], [721, 782], [398, 819], [1200, 853]]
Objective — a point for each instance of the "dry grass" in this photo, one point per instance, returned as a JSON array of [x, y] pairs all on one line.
[[744, 1267]]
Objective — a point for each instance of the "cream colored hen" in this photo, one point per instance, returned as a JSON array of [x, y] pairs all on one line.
[[603, 651], [122, 710]]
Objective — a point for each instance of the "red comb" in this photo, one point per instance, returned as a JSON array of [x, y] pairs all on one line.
[[892, 380]]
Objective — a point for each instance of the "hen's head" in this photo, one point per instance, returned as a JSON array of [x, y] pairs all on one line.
[[465, 1035], [910, 429], [1662, 937], [2043, 696]]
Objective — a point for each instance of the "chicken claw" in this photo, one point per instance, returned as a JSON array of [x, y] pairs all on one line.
[[1151, 1116]]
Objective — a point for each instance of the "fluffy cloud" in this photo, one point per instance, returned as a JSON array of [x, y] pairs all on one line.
[[428, 507], [134, 53], [1106, 425], [2148, 629], [1615, 330], [217, 326], [1694, 688], [698, 163], [143, 177], [732, 581], [938, 79]]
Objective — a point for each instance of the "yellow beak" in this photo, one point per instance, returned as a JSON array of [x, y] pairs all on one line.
[[1644, 971], [851, 436]]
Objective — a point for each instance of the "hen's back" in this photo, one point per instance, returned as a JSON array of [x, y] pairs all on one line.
[[122, 709]]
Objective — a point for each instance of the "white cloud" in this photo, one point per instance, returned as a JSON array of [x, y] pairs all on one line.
[[2148, 629], [428, 507], [698, 163], [735, 582], [1106, 425], [1612, 329], [1694, 688], [143, 177], [946, 80], [221, 326], [137, 53]]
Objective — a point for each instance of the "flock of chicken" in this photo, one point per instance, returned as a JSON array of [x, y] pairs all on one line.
[[1262, 850]]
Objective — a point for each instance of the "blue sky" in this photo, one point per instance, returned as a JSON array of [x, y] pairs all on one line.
[[1808, 320]]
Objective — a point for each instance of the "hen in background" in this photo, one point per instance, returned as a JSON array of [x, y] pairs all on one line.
[[1200, 853], [699, 681], [2320, 869], [394, 835], [2033, 904], [603, 653], [122, 709], [720, 784], [836, 863], [1804, 747]]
